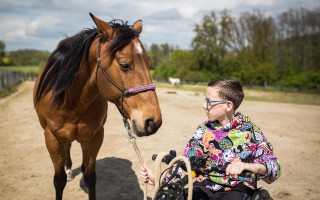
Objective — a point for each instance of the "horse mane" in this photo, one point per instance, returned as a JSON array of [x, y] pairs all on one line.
[[124, 35], [64, 64]]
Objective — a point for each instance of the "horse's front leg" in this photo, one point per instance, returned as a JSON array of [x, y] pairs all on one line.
[[69, 164], [57, 151], [90, 151]]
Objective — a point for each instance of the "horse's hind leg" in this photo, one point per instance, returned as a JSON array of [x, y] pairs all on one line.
[[57, 151], [69, 164], [90, 151]]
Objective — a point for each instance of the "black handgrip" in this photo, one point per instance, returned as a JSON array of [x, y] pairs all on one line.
[[222, 170], [246, 174], [166, 159]]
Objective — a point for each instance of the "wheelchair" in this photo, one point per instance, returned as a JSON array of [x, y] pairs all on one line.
[[171, 184]]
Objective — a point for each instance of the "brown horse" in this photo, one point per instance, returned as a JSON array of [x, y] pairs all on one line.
[[71, 94]]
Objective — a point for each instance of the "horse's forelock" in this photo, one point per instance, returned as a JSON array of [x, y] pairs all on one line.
[[124, 34]]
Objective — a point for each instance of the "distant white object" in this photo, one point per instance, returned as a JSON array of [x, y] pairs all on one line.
[[174, 81]]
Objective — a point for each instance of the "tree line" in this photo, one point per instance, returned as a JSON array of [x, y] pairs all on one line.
[[282, 51], [24, 57]]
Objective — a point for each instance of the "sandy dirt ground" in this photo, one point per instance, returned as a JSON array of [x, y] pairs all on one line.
[[26, 172]]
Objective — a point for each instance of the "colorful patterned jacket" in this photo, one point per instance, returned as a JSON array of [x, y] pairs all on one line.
[[241, 139]]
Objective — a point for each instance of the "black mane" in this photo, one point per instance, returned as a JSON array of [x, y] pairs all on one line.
[[64, 63], [123, 37]]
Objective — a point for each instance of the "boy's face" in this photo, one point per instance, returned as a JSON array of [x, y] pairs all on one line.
[[215, 110]]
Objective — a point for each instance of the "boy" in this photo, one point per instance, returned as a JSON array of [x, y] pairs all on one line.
[[227, 138]]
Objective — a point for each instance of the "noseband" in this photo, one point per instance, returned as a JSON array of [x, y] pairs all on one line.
[[124, 92]]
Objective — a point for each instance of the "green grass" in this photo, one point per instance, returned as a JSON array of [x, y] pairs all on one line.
[[284, 97], [192, 88], [22, 69], [258, 94]]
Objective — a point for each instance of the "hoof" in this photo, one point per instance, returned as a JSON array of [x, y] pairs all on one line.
[[69, 175], [83, 185]]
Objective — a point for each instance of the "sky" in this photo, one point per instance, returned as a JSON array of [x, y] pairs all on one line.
[[41, 24]]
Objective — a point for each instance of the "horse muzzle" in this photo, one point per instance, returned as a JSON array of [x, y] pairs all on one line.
[[148, 127]]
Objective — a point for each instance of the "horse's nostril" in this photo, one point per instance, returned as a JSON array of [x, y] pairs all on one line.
[[149, 125]]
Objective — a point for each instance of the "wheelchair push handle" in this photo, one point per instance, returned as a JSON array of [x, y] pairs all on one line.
[[166, 159]]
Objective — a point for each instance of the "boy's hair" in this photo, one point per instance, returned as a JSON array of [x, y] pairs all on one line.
[[230, 89]]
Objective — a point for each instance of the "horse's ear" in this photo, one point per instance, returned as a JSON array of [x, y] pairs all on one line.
[[104, 29], [137, 26]]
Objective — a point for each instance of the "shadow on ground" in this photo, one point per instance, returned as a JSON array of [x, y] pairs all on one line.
[[115, 180]]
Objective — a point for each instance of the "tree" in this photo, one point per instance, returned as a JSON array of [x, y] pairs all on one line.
[[226, 25], [2, 48], [28, 57], [298, 48], [212, 41], [177, 65], [158, 53], [254, 41], [299, 39], [204, 45]]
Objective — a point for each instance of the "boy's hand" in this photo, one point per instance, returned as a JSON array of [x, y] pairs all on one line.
[[237, 167], [146, 174]]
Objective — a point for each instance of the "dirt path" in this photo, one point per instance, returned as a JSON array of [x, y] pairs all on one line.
[[26, 170]]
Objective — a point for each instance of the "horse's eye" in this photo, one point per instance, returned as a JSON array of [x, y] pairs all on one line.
[[125, 66]]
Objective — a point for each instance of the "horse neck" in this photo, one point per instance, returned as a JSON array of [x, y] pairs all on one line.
[[84, 90]]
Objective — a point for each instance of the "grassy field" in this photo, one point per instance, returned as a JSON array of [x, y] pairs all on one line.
[[22, 69], [258, 94]]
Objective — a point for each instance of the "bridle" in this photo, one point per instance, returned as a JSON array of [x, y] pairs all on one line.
[[124, 92]]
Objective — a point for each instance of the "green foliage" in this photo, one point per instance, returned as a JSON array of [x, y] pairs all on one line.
[[231, 67], [299, 80], [22, 57], [3, 59], [206, 48], [260, 50], [2, 47], [269, 94], [29, 57], [180, 64], [23, 69], [257, 49], [158, 53]]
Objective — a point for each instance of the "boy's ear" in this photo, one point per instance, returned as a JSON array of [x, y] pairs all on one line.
[[229, 106]]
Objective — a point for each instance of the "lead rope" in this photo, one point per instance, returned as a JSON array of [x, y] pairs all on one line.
[[158, 161], [132, 140]]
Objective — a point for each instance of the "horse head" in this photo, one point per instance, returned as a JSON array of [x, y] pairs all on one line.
[[123, 74]]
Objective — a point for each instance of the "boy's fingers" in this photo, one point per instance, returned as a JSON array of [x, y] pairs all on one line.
[[228, 170]]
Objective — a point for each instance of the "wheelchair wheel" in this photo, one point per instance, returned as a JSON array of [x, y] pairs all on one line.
[[261, 194]]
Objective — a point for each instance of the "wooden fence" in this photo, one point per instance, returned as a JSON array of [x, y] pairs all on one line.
[[9, 78]]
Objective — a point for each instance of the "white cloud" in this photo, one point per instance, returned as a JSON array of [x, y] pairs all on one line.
[[16, 34], [40, 24], [171, 14], [10, 30]]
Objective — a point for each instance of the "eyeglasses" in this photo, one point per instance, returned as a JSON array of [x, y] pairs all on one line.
[[209, 101]]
